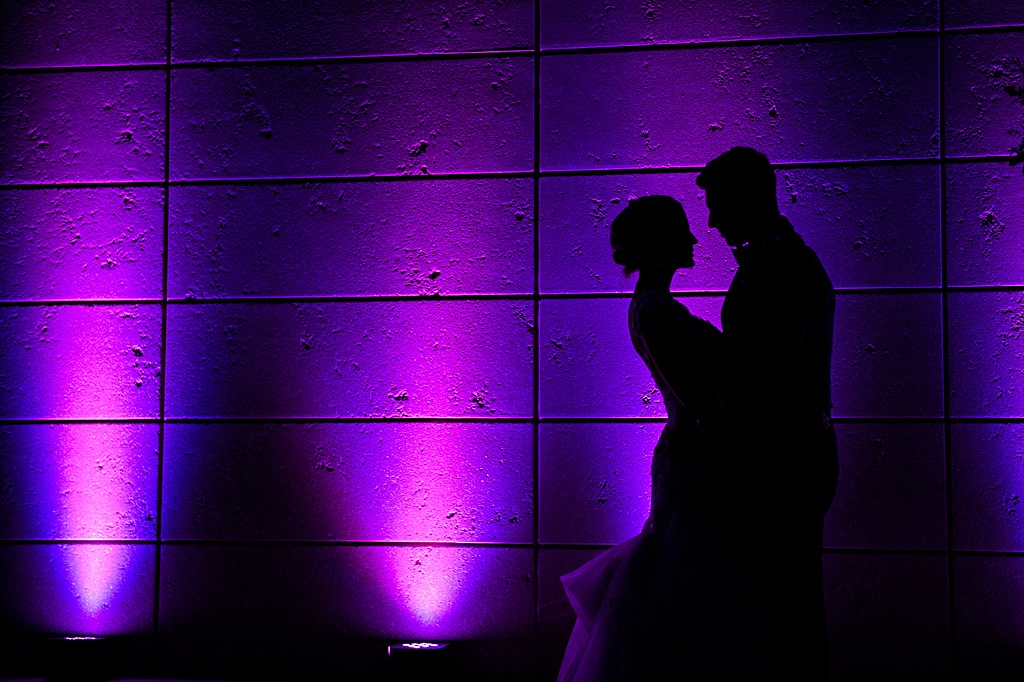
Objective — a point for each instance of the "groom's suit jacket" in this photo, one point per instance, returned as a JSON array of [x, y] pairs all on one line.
[[777, 323]]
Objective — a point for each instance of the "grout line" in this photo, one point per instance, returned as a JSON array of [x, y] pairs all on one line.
[[211, 64], [30, 421], [513, 52], [81, 302], [388, 298], [80, 68], [380, 58], [946, 389], [251, 542], [163, 341], [880, 162], [277, 180], [535, 428], [232, 542], [767, 41], [75, 541], [276, 420]]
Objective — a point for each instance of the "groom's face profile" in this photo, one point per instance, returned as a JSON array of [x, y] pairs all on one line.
[[724, 216]]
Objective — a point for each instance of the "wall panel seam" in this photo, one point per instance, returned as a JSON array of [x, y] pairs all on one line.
[[383, 58], [493, 175], [163, 334]]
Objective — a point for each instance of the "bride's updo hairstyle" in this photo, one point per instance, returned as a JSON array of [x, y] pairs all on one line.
[[642, 230]]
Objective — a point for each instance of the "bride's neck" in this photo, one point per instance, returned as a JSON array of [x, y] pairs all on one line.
[[655, 279]]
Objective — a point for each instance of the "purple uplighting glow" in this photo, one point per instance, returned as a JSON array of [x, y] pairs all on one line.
[[79, 589], [430, 587], [436, 472], [80, 362], [96, 574], [96, 466], [95, 504], [397, 396]]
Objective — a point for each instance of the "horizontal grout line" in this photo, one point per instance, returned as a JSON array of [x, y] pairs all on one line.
[[864, 551], [602, 420], [926, 552], [370, 177], [985, 29], [77, 541], [837, 420], [349, 543], [937, 419], [986, 552], [275, 180], [274, 543], [78, 68], [984, 288], [80, 184], [272, 420], [348, 420], [826, 550], [514, 52], [979, 158], [471, 420], [986, 420], [840, 291], [767, 41], [774, 40], [29, 421], [495, 175], [394, 298], [381, 298], [355, 59], [624, 294], [784, 165], [861, 291], [14, 303], [277, 61]]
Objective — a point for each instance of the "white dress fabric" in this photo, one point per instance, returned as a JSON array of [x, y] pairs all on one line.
[[669, 603]]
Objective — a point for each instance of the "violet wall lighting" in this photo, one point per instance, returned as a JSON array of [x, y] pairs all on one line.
[[310, 338]]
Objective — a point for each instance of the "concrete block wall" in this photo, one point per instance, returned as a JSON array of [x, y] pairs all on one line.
[[312, 339]]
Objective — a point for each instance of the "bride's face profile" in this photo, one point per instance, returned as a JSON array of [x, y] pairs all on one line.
[[683, 242]]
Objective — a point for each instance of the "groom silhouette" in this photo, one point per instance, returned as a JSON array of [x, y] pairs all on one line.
[[777, 324]]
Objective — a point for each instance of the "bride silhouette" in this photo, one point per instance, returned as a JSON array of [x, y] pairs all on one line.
[[671, 602]]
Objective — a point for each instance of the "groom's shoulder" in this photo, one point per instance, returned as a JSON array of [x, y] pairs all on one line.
[[802, 265]]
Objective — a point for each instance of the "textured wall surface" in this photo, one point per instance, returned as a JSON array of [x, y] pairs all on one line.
[[310, 337]]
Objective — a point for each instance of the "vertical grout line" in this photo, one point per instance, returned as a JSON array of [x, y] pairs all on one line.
[[163, 339], [946, 427], [535, 428]]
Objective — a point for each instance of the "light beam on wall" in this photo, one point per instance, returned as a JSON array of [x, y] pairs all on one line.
[[101, 370], [430, 474], [95, 479]]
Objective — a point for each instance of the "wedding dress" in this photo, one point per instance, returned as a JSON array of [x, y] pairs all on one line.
[[670, 602]]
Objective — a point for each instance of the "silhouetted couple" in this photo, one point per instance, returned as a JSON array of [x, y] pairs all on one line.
[[724, 582]]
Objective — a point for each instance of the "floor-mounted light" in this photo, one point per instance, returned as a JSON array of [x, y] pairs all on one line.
[[78, 659], [419, 660]]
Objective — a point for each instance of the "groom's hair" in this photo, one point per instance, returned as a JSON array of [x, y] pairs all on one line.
[[742, 172]]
